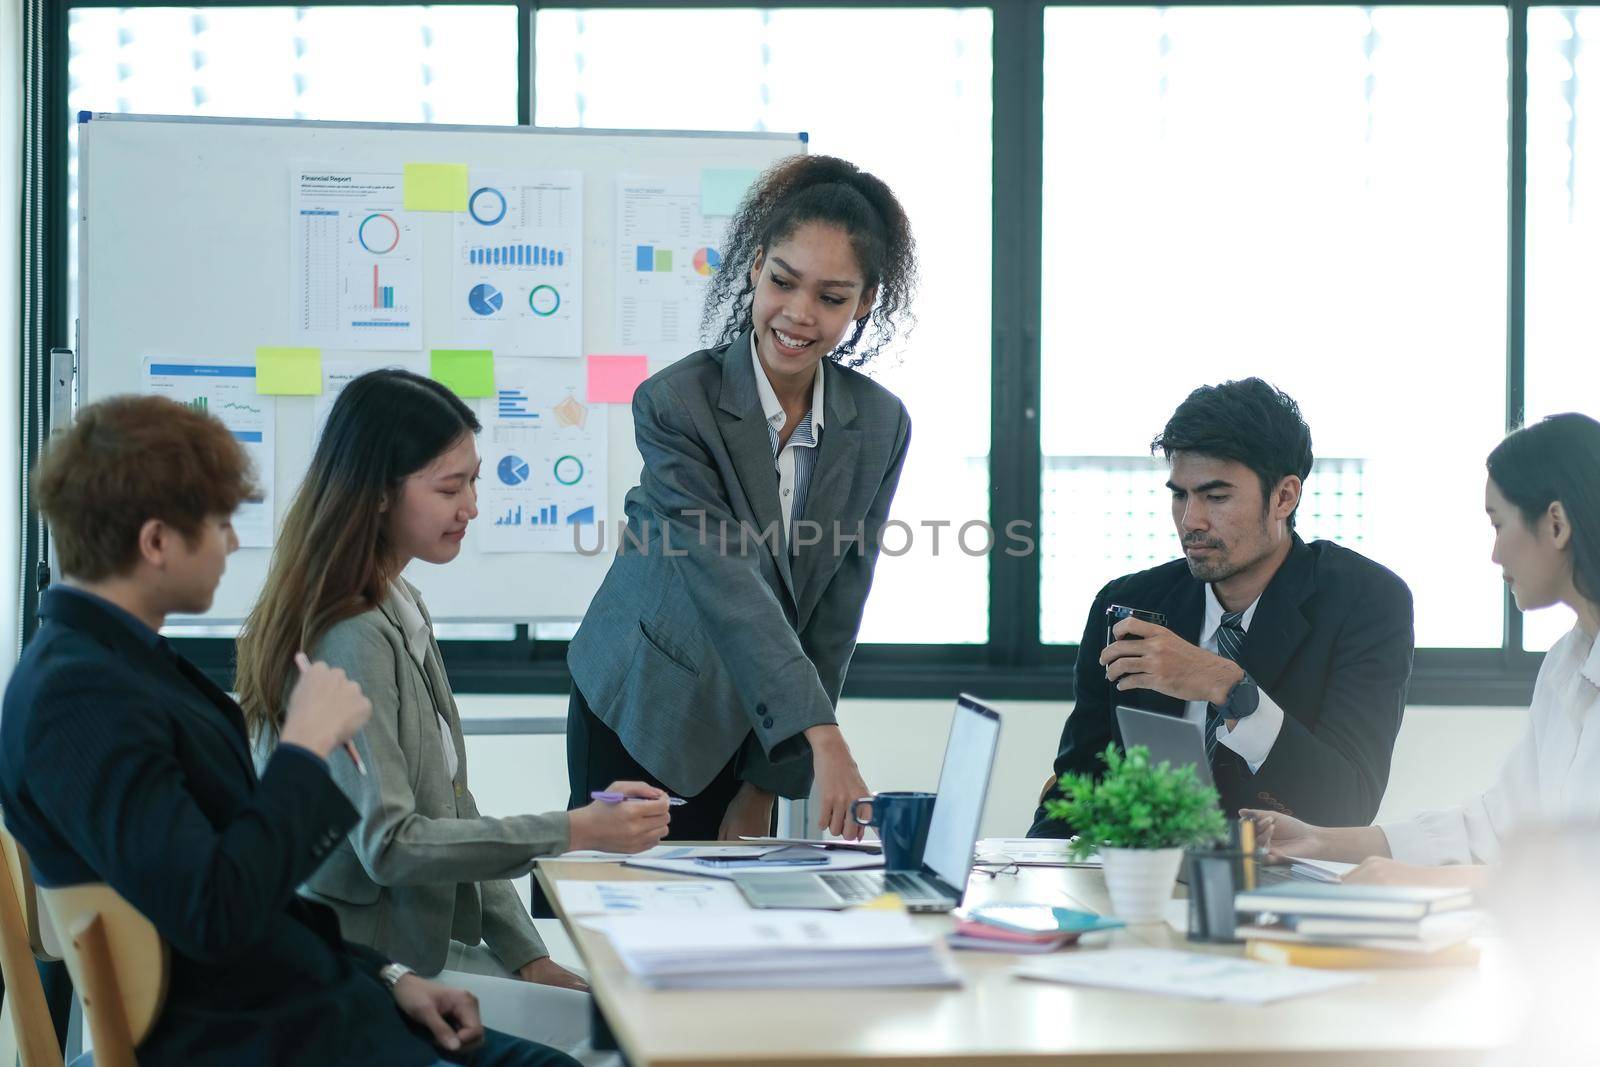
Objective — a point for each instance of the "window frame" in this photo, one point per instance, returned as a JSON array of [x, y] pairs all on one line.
[[1014, 664]]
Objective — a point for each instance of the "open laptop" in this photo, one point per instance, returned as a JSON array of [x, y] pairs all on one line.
[[952, 834]]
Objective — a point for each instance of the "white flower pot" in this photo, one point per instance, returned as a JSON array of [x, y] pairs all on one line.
[[1140, 881]]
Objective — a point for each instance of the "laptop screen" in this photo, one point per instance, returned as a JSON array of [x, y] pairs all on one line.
[[963, 784]]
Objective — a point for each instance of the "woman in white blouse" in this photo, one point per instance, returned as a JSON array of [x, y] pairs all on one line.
[[1543, 499]]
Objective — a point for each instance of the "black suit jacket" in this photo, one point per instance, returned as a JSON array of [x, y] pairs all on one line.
[[121, 763], [1330, 642]]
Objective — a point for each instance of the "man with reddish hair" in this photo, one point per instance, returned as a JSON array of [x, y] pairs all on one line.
[[120, 762]]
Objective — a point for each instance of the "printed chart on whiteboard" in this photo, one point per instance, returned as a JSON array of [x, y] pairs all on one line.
[[666, 254], [518, 266], [355, 264], [543, 486], [226, 388]]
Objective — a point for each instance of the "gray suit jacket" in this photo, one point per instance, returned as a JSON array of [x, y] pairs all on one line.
[[422, 867], [705, 633]]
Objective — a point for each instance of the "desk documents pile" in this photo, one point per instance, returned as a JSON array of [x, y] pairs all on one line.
[[777, 950], [1359, 926]]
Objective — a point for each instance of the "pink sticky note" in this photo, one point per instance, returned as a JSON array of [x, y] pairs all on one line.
[[612, 379]]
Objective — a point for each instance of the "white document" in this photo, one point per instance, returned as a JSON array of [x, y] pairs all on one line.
[[543, 487], [226, 388], [1319, 870], [833, 861], [517, 264], [355, 262], [1186, 974], [338, 373], [1030, 852], [666, 852], [671, 898], [666, 255]]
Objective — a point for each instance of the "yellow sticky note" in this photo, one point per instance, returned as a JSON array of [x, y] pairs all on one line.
[[883, 902], [436, 187], [469, 372], [289, 371]]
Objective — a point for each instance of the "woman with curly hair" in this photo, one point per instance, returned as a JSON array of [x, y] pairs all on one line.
[[711, 659]]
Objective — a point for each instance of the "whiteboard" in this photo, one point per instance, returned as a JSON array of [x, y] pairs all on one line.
[[184, 252]]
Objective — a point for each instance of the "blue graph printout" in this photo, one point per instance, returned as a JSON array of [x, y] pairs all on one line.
[[544, 460], [226, 388]]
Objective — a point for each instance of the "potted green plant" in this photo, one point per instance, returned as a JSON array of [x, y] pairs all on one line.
[[1139, 817]]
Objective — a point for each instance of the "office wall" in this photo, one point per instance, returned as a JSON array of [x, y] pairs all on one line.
[[1443, 754]]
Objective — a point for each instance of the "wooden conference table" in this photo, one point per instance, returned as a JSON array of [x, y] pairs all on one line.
[[1424, 1017]]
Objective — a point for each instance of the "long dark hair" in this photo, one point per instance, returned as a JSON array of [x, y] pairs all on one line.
[[1557, 459], [333, 556], [825, 189]]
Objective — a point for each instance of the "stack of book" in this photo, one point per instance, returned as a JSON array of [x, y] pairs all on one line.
[[1022, 929], [777, 950], [1311, 924]]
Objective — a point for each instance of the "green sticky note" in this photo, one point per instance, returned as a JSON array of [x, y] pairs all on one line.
[[436, 187], [721, 190], [469, 372], [289, 371], [664, 260]]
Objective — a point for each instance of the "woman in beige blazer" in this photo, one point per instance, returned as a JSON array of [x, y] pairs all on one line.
[[424, 877]]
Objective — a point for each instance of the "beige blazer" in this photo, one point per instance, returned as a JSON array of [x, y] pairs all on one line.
[[422, 867]]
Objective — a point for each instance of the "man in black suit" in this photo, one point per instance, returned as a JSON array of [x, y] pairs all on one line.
[[1293, 658], [121, 763]]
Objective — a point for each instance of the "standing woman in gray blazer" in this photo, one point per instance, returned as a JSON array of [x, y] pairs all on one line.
[[711, 659], [424, 876]]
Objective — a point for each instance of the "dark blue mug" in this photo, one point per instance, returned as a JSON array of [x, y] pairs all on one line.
[[901, 820]]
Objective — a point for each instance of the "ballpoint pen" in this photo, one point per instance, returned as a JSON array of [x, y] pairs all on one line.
[[617, 798]]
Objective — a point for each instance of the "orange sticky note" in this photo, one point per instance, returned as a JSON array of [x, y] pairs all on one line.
[[612, 379]]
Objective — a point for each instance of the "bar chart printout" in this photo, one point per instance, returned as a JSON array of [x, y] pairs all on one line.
[[543, 487], [354, 262], [517, 273], [226, 389]]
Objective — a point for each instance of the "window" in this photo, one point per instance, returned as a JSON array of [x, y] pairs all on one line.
[[356, 64], [1313, 195], [1563, 320], [917, 115]]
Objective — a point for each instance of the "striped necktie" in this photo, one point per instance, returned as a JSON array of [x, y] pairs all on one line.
[[1230, 641]]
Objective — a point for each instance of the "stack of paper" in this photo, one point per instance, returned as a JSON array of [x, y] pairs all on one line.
[[777, 950], [1319, 870], [1030, 852]]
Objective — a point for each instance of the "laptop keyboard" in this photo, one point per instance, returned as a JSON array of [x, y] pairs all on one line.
[[855, 888]]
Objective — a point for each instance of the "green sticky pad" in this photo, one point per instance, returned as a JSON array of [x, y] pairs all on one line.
[[289, 371], [436, 187], [469, 372], [721, 190], [664, 260]]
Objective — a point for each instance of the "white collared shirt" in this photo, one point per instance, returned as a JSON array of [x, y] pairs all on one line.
[[1255, 735], [794, 472], [418, 637], [1550, 775]]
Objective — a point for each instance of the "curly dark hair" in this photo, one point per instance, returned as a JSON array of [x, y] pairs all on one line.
[[825, 189]]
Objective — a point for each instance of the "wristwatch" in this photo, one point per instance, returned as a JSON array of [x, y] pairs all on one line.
[[391, 974], [1242, 700]]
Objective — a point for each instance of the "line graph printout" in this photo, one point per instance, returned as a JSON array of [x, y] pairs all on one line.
[[226, 388]]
